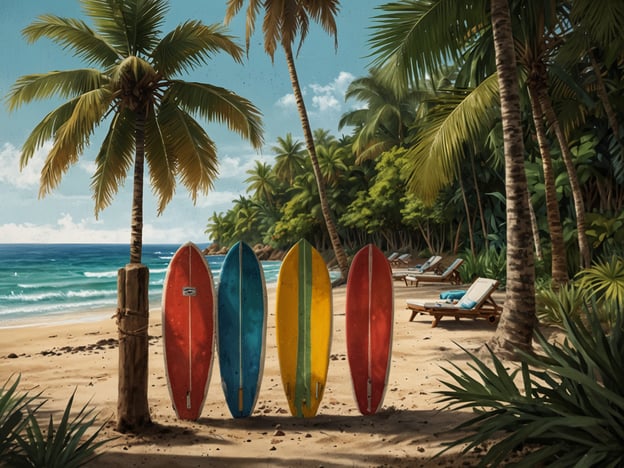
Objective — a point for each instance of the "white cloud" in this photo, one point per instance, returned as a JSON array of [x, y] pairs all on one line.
[[86, 231], [10, 167], [287, 102], [324, 98], [218, 200]]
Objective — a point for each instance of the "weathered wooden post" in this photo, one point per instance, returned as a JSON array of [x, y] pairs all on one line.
[[132, 325]]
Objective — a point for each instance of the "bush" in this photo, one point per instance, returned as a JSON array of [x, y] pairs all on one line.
[[23, 443], [567, 402]]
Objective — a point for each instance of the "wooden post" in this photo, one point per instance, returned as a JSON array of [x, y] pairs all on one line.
[[132, 325]]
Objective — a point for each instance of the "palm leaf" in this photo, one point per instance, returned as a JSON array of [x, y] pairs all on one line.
[[114, 160], [131, 27], [72, 34], [216, 104], [190, 45], [66, 84], [458, 119]]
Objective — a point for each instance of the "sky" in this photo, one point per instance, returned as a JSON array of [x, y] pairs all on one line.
[[67, 214]]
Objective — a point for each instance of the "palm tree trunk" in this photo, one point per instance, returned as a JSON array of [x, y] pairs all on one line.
[[534, 228], [133, 311], [486, 241], [558, 262], [515, 330], [577, 194], [601, 89], [341, 256]]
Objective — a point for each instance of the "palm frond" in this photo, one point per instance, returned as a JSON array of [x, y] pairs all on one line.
[[412, 40], [214, 103], [234, 6], [114, 160], [192, 149], [72, 34], [191, 44], [458, 119], [73, 136], [160, 158], [66, 84], [132, 28]]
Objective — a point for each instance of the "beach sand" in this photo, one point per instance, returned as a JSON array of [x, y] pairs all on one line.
[[61, 358]]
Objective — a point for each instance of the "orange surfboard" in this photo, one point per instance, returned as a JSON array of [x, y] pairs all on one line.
[[369, 321], [188, 321]]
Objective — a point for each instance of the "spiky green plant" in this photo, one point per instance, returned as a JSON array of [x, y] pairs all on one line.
[[605, 279], [553, 304], [567, 403], [13, 410], [62, 446]]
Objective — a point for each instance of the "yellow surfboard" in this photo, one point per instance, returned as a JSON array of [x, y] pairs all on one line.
[[303, 319]]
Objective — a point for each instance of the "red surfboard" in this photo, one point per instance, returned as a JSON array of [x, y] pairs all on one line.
[[369, 321], [188, 321]]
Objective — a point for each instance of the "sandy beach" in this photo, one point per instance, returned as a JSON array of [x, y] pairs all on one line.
[[408, 431]]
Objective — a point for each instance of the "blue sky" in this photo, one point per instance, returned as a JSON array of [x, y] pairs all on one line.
[[67, 214]]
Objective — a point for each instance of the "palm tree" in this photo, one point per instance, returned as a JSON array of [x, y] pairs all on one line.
[[262, 182], [384, 122], [407, 56], [515, 329], [284, 20], [289, 158], [152, 119]]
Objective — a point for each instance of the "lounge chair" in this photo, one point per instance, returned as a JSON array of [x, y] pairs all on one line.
[[476, 303], [401, 259], [393, 256], [450, 275], [430, 264]]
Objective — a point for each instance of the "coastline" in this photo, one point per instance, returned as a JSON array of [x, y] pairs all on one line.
[[409, 429]]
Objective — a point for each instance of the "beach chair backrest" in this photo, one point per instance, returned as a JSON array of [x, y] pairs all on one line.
[[404, 257], [453, 266], [393, 256], [477, 293]]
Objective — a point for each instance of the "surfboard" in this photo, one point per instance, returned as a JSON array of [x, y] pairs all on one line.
[[188, 321], [369, 321], [303, 320], [241, 329]]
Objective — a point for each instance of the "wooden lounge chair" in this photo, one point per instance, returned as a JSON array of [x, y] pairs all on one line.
[[402, 259], [393, 256], [476, 303], [431, 264], [450, 275]]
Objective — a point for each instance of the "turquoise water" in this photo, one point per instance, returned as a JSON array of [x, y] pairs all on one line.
[[39, 281]]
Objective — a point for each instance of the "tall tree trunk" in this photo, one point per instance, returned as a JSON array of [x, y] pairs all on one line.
[[341, 256], [486, 241], [558, 262], [133, 310], [468, 220], [535, 229], [515, 330], [601, 89], [577, 194]]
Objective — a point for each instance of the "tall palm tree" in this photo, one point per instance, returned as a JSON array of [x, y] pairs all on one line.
[[407, 57], [515, 329], [133, 81], [284, 20]]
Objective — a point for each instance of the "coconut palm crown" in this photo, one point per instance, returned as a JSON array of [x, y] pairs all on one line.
[[133, 85]]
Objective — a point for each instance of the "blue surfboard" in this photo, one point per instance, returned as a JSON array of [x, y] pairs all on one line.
[[241, 328]]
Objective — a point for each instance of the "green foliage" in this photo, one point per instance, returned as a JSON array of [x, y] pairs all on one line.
[[23, 443], [567, 402], [605, 280], [552, 305], [13, 407], [490, 263]]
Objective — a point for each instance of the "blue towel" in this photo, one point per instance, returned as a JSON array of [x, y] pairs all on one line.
[[453, 295], [467, 304]]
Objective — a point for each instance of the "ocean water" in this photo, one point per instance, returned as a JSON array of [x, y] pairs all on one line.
[[44, 281]]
